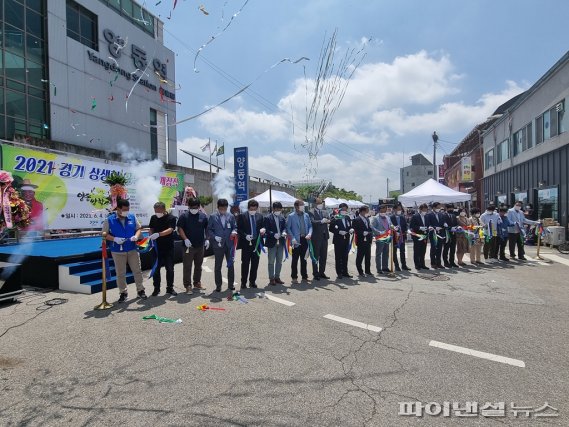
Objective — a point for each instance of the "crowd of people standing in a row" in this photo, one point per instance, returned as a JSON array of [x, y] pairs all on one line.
[[304, 235]]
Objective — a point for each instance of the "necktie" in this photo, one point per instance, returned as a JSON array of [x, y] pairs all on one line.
[[344, 222], [399, 221], [253, 226], [278, 227], [423, 219], [223, 221]]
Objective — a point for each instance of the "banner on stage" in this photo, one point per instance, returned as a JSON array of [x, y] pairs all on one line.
[[66, 191]]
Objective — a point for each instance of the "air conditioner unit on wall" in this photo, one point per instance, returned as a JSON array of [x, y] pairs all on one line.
[[559, 107]]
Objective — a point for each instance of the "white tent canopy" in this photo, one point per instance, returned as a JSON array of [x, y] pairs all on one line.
[[264, 199], [431, 191], [331, 202], [355, 204]]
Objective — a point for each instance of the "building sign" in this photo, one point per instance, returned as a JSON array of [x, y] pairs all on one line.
[[442, 171], [241, 174], [67, 192], [466, 169], [140, 61]]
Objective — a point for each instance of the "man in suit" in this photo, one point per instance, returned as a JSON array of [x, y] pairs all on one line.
[[400, 237], [222, 231], [275, 241], [320, 235], [419, 226], [249, 228], [449, 249], [380, 224], [299, 228], [364, 237], [341, 226], [435, 222]]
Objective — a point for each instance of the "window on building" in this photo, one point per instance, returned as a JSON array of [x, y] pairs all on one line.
[[503, 151], [407, 173], [546, 125], [562, 118], [539, 130], [429, 172], [412, 184], [548, 203], [489, 159], [82, 25], [134, 13], [153, 134], [529, 136], [519, 141]]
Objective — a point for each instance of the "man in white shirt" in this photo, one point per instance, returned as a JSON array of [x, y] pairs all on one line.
[[517, 220], [490, 220]]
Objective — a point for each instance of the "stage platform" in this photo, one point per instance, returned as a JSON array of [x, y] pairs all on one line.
[[43, 258]]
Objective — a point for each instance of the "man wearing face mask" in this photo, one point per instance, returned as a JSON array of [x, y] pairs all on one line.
[[436, 221], [123, 229], [162, 225], [275, 241], [449, 248], [192, 229], [517, 221], [419, 226], [222, 232], [249, 227], [380, 224], [490, 220], [299, 229], [320, 235], [503, 233], [341, 226], [364, 237], [400, 226]]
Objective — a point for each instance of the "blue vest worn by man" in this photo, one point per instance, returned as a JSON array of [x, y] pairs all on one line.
[[126, 231]]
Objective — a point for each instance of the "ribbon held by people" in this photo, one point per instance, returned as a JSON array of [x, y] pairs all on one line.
[[161, 319], [417, 235], [384, 237], [231, 259], [311, 251], [146, 245]]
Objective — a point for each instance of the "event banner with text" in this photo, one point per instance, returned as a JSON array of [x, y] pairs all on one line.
[[68, 192]]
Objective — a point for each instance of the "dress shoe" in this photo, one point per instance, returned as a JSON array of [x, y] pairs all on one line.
[[272, 282], [386, 270], [253, 285], [361, 275], [323, 276], [397, 269], [279, 281], [305, 278], [448, 265], [441, 267], [316, 277], [339, 277], [243, 287], [218, 289], [349, 276], [369, 273], [231, 288], [171, 292], [156, 292], [198, 286], [406, 268], [462, 264], [425, 267], [505, 259], [453, 265], [522, 258]]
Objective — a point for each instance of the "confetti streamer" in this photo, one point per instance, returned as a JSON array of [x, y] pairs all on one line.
[[51, 84], [161, 319], [240, 91], [158, 3], [217, 35], [93, 104], [202, 9]]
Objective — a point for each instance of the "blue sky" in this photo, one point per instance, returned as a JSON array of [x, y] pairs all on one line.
[[437, 64]]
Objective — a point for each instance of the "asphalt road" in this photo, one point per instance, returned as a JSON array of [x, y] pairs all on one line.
[[492, 334]]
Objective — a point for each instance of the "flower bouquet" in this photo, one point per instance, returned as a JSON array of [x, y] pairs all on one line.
[[117, 187]]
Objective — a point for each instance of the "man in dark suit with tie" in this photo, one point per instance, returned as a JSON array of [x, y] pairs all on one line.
[[435, 222], [249, 227], [320, 235], [364, 237], [400, 227], [449, 249], [419, 226], [275, 241], [341, 226]]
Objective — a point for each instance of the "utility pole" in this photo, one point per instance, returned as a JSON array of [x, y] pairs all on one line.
[[387, 194], [435, 139]]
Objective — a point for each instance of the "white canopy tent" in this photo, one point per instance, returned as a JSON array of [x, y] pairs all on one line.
[[331, 202], [265, 199], [431, 191], [355, 204]]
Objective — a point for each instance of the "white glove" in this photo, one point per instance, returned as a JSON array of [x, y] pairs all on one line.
[[445, 224], [154, 236], [218, 239], [342, 232], [263, 231], [284, 234], [187, 243], [308, 236], [423, 228], [249, 237], [133, 239], [234, 232], [277, 236], [366, 233], [438, 228], [206, 245], [119, 240], [351, 231], [294, 243], [324, 221]]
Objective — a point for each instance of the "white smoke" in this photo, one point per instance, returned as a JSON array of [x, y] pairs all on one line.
[[223, 186], [145, 176], [24, 250]]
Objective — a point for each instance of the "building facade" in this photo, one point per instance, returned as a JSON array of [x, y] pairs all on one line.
[[419, 171], [88, 73], [526, 151]]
